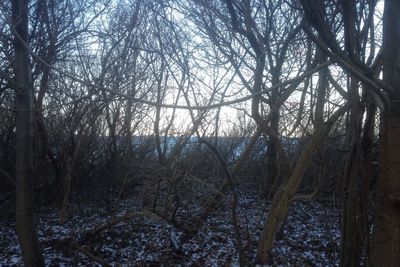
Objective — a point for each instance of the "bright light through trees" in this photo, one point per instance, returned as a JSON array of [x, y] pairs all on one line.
[[209, 120]]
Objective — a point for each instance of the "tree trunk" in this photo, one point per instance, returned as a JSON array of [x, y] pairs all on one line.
[[354, 218], [272, 180], [386, 235], [285, 193], [67, 190], [24, 139], [68, 175], [282, 199]]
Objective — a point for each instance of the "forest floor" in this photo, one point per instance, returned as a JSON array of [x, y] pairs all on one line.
[[310, 237]]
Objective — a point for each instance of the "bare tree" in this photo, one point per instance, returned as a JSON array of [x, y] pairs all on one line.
[[386, 215], [24, 137]]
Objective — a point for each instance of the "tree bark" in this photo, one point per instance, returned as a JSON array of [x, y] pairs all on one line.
[[24, 138], [386, 231], [386, 236]]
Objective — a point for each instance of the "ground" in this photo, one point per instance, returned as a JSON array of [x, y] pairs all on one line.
[[310, 237]]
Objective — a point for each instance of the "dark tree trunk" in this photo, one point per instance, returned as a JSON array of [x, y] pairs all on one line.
[[386, 235], [272, 180], [354, 217], [24, 138]]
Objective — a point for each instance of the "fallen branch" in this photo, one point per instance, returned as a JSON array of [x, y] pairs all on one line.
[[74, 245], [114, 221]]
